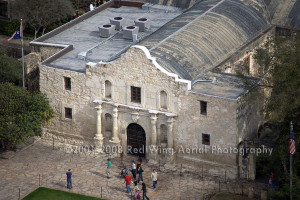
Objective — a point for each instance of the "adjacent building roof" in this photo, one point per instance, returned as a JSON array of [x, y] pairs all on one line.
[[187, 42], [85, 38], [176, 3], [284, 12], [206, 34], [224, 85]]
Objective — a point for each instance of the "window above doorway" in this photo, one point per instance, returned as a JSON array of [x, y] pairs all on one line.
[[135, 94]]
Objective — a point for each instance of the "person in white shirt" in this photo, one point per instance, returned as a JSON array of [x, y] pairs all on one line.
[[91, 7], [133, 169], [154, 178]]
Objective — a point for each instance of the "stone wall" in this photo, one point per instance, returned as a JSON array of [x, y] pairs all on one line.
[[90, 86], [45, 51], [219, 123], [135, 69]]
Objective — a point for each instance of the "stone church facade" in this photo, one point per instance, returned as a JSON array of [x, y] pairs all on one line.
[[101, 111], [187, 109]]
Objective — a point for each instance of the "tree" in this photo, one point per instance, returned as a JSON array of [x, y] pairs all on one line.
[[281, 59], [41, 13], [280, 63], [22, 114], [10, 69], [81, 4]]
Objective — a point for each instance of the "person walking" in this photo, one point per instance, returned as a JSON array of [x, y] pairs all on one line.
[[128, 182], [144, 191], [133, 169], [154, 178], [136, 187], [69, 179], [140, 160], [91, 6], [137, 195], [272, 180], [140, 171], [108, 168]]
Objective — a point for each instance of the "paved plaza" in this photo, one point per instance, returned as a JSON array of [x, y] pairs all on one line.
[[38, 164]]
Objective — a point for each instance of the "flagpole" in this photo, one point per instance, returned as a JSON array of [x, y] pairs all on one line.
[[291, 167], [21, 29]]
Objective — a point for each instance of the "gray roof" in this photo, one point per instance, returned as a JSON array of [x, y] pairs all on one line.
[[189, 44], [206, 34], [225, 85], [294, 15], [284, 12], [84, 35], [176, 3]]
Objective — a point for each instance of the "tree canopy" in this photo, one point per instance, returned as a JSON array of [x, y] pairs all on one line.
[[42, 13], [22, 114], [280, 62], [281, 59], [10, 69]]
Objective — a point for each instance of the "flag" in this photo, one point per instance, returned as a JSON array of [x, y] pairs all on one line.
[[292, 147], [16, 35]]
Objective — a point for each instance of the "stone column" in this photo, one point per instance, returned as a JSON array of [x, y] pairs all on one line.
[[170, 133], [153, 129], [153, 154], [115, 138], [99, 137], [170, 159]]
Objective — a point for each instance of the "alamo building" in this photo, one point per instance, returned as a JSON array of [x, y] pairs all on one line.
[[145, 74]]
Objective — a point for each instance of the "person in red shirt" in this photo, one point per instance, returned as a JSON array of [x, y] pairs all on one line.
[[128, 182]]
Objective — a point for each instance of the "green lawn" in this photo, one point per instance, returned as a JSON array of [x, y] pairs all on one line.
[[222, 196], [51, 194]]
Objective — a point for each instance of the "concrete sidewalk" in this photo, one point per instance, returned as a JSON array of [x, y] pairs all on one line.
[[39, 164]]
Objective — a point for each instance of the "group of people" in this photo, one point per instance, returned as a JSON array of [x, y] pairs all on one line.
[[137, 168]]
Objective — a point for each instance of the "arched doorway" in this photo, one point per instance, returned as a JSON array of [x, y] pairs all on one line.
[[136, 140]]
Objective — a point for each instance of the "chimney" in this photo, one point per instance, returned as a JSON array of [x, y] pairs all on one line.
[[119, 22], [143, 23], [107, 30], [129, 31]]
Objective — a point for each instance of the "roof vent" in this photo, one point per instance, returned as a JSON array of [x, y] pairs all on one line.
[[143, 23], [129, 31], [107, 30], [119, 22]]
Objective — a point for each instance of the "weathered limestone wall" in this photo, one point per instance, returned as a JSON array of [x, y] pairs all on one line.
[[219, 123], [249, 115], [32, 61], [132, 69], [83, 121], [45, 51], [135, 69]]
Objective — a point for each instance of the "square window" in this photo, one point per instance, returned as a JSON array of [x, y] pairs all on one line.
[[67, 83], [136, 94], [203, 107], [68, 113], [205, 139]]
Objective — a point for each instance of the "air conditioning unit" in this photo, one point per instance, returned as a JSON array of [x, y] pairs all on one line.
[[143, 23], [107, 30], [129, 31], [119, 22]]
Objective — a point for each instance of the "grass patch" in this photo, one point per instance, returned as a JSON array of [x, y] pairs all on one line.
[[51, 194], [222, 196]]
